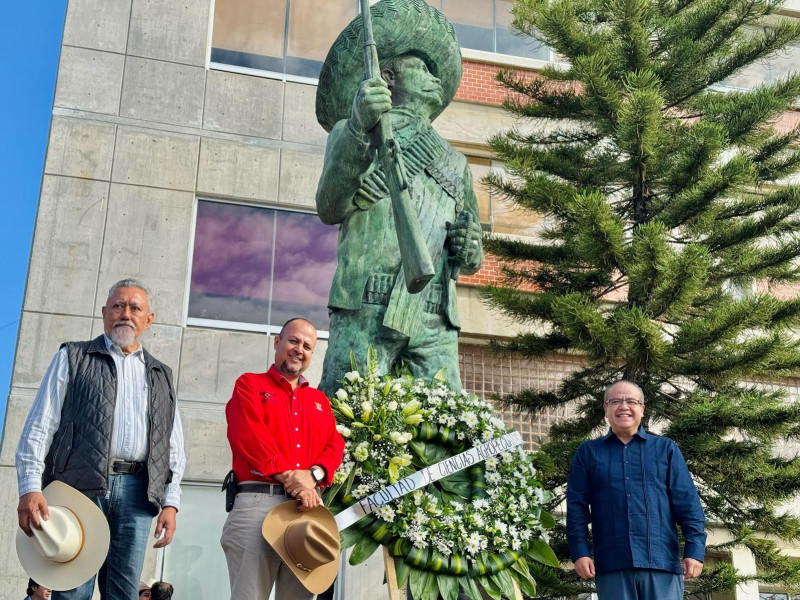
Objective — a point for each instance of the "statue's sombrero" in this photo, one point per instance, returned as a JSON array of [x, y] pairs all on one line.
[[399, 27]]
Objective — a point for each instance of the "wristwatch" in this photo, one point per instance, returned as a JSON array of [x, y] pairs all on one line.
[[317, 473]]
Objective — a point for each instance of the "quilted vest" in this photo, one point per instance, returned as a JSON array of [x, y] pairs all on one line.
[[81, 447]]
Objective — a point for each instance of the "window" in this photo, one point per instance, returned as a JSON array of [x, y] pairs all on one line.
[[290, 38], [485, 25], [498, 214], [769, 70], [776, 596], [253, 268], [194, 562]]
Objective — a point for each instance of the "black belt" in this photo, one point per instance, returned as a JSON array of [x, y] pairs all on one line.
[[256, 487], [126, 467]]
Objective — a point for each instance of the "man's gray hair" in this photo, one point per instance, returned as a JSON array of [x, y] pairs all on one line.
[[608, 389], [131, 282]]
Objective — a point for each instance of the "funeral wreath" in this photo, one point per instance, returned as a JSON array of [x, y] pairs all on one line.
[[477, 526]]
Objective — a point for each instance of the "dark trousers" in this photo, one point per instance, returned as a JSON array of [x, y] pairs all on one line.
[[639, 584]]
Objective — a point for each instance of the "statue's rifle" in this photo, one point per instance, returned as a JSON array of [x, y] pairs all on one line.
[[417, 265]]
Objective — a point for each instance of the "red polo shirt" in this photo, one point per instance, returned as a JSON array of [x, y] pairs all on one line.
[[273, 428]]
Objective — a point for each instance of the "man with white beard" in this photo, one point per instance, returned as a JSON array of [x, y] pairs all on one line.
[[105, 421]]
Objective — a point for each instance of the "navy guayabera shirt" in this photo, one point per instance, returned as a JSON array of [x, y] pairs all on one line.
[[633, 495]]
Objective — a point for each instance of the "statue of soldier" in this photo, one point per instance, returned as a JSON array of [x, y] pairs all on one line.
[[420, 67]]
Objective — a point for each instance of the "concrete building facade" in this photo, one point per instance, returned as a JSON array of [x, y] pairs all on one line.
[[184, 151]]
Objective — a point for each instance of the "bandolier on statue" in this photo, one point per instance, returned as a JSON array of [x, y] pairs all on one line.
[[373, 301]]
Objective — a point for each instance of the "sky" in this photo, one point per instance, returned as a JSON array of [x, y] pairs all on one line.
[[30, 41]]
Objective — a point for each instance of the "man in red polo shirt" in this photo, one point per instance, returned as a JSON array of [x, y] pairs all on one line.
[[284, 443]]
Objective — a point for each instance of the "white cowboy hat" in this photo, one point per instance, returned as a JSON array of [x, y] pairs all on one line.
[[307, 542], [71, 546]]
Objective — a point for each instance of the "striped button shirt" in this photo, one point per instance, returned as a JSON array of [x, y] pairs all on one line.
[[129, 436]]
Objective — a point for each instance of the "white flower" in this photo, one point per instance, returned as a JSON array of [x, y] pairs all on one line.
[[343, 431], [420, 517], [392, 406], [441, 545], [500, 527], [480, 504], [386, 513], [352, 376], [525, 534], [473, 542], [491, 463], [447, 420], [523, 503], [341, 394], [361, 491], [507, 457], [516, 544], [493, 477], [417, 538], [397, 387], [470, 418]]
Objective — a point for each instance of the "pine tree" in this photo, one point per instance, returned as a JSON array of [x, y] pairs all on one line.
[[665, 196]]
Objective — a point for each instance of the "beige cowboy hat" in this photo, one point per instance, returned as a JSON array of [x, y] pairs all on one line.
[[399, 27], [71, 546], [307, 542]]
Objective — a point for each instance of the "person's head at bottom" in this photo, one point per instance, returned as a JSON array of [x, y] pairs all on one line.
[[161, 590], [144, 591], [37, 592]]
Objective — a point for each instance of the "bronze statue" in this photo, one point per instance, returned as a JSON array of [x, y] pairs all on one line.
[[425, 210]]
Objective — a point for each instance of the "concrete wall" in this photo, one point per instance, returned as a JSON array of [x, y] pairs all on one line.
[[140, 128]]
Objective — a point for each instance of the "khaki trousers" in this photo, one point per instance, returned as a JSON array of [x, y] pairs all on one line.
[[253, 566]]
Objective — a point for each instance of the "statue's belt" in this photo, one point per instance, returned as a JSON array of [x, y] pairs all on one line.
[[379, 288], [423, 151]]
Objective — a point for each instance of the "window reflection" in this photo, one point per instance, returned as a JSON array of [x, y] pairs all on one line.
[[292, 37], [286, 37], [260, 266]]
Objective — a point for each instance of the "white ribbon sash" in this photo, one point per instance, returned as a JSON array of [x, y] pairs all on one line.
[[427, 476]]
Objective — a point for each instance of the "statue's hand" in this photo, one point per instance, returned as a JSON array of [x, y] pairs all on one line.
[[464, 240], [372, 100]]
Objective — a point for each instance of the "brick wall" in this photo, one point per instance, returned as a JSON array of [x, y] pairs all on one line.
[[485, 374], [478, 83]]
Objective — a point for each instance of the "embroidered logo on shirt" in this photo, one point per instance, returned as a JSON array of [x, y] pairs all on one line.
[[318, 405], [265, 395]]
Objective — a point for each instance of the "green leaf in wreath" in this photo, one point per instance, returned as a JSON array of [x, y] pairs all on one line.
[[363, 549], [420, 582], [441, 375], [457, 485], [431, 589], [401, 569], [540, 551], [470, 588], [349, 482], [504, 582], [429, 454], [547, 520], [490, 588], [524, 578], [350, 536], [448, 497], [353, 361], [448, 586]]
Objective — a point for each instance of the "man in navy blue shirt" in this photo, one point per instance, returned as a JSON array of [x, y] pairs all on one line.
[[634, 488]]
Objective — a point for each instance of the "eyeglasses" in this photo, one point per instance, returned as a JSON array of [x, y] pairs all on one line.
[[628, 401]]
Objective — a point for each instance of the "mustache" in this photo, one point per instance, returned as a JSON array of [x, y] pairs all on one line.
[[124, 323]]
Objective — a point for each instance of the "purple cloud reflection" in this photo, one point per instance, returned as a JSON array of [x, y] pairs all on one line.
[[233, 254]]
